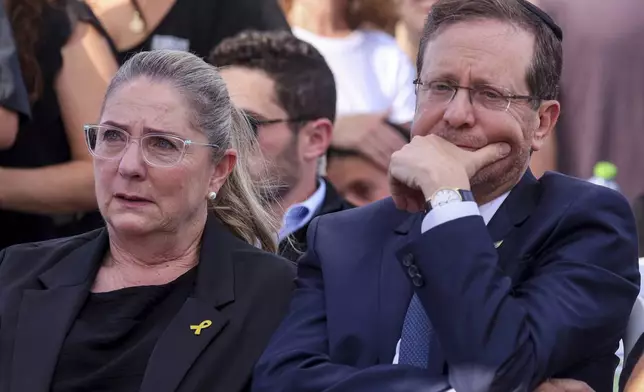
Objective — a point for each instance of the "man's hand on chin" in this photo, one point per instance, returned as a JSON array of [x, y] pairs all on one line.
[[429, 163]]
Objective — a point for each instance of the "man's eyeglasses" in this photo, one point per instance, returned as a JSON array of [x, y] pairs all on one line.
[[484, 96], [256, 122], [161, 150]]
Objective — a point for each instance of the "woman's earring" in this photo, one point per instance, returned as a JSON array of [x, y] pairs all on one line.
[[212, 196]]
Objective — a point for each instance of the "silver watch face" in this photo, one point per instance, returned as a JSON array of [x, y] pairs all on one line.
[[445, 196]]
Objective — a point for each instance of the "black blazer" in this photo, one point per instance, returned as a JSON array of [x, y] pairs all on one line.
[[244, 292], [333, 202]]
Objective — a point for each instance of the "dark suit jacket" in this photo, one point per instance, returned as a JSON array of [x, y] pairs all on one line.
[[551, 301], [333, 202], [242, 290]]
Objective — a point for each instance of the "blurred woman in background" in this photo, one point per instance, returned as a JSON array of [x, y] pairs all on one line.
[[409, 28], [190, 25], [46, 178], [373, 76]]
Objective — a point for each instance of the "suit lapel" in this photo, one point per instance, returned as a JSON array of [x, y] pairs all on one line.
[[46, 315], [515, 210], [179, 345]]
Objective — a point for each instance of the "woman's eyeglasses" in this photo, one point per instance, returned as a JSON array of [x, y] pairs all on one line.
[[161, 150]]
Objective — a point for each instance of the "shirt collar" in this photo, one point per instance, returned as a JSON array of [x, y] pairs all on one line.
[[299, 214], [488, 210]]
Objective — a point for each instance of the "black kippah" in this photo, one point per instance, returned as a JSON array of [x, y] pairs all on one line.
[[544, 17]]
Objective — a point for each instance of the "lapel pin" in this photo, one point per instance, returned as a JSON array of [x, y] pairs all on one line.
[[203, 325], [498, 244]]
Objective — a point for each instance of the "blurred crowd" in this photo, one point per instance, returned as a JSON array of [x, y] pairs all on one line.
[[68, 51]]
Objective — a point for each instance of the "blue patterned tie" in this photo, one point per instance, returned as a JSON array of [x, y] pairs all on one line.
[[414, 341]]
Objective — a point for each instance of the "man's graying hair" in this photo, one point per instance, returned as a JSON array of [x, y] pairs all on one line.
[[545, 71], [238, 205]]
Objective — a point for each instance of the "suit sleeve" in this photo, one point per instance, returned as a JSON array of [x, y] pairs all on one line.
[[298, 359], [13, 94], [574, 307]]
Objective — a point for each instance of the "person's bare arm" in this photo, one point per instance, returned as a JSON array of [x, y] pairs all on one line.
[[370, 135], [635, 382], [8, 128], [80, 87], [546, 158], [564, 385]]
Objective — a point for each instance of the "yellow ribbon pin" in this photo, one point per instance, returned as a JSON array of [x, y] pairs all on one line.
[[203, 325], [498, 244]]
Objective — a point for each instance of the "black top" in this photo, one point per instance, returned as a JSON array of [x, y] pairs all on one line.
[[200, 25], [13, 94], [104, 353], [42, 141]]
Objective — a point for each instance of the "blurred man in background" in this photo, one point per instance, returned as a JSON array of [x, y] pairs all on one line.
[[287, 90], [356, 177]]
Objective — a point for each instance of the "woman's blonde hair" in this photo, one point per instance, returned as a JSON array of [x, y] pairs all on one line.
[[240, 203], [377, 14]]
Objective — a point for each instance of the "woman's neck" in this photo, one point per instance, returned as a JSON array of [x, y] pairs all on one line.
[[152, 260], [325, 18]]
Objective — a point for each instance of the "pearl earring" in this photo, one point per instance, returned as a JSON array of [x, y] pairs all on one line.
[[212, 196]]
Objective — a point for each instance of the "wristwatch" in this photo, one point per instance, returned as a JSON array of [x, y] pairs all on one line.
[[445, 196]]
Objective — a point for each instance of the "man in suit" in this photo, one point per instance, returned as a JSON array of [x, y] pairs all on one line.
[[14, 102], [287, 90], [415, 293]]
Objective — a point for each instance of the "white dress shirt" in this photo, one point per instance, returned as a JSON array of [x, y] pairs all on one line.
[[448, 212]]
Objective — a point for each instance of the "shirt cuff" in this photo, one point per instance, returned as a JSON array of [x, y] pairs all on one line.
[[448, 212]]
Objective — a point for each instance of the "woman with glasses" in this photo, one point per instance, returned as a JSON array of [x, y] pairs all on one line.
[[179, 292]]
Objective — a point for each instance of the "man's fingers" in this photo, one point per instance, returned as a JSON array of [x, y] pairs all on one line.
[[476, 160]]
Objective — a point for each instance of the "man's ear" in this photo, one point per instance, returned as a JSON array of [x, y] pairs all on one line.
[[548, 115], [315, 138]]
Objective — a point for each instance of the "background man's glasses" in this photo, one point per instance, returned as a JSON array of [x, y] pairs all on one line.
[[256, 121], [484, 96], [161, 150]]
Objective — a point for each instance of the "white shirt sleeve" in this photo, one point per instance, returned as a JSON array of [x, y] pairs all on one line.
[[448, 212]]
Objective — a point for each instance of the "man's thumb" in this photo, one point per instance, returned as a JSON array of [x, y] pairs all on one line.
[[486, 156]]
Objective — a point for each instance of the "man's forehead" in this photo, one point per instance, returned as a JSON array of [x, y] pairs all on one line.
[[252, 89], [485, 48]]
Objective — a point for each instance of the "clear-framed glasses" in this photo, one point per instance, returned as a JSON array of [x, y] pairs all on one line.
[[488, 97], [158, 149]]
